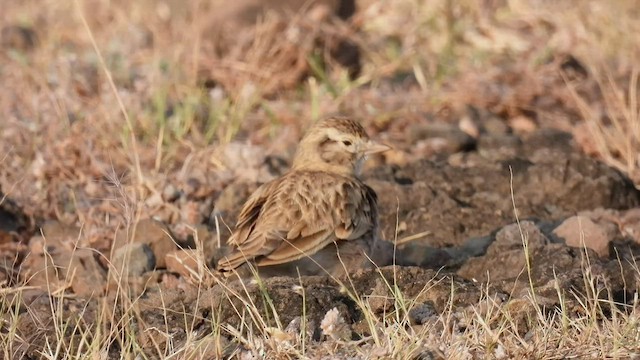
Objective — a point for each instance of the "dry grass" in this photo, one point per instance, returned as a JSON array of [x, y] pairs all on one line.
[[615, 129], [492, 328], [109, 107]]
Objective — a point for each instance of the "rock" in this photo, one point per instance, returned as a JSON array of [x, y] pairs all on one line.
[[185, 262], [421, 313], [548, 139], [152, 233], [522, 124], [507, 253], [133, 259], [419, 254], [298, 325], [517, 236], [56, 235], [192, 187], [190, 213], [430, 355], [245, 160], [504, 145], [469, 126], [440, 138], [495, 126], [15, 225], [210, 347], [170, 193], [154, 201], [199, 236], [560, 267], [334, 326], [579, 231], [630, 224], [62, 268]]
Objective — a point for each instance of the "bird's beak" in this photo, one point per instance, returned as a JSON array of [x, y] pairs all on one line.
[[374, 148]]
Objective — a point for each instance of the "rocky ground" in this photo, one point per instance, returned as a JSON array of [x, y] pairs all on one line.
[[578, 231], [511, 194]]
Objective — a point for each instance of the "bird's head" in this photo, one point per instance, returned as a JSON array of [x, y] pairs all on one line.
[[336, 144]]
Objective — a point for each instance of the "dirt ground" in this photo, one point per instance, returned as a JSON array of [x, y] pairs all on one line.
[[131, 134]]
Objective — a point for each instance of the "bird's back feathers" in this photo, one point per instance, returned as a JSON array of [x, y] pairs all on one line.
[[299, 214]]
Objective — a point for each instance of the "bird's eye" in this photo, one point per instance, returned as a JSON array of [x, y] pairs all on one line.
[[346, 142]]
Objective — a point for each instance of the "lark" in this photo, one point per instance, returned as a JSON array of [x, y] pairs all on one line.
[[317, 218]]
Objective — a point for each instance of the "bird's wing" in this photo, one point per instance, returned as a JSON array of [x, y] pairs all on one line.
[[303, 214], [250, 212], [244, 240], [344, 212]]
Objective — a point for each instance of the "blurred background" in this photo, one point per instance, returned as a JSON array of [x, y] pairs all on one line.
[[105, 100]]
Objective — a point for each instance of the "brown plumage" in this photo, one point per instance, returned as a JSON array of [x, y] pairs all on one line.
[[319, 209]]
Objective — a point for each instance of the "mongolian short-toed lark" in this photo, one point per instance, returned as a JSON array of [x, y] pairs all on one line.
[[319, 217]]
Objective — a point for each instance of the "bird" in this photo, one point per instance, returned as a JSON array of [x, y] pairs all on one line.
[[319, 217]]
